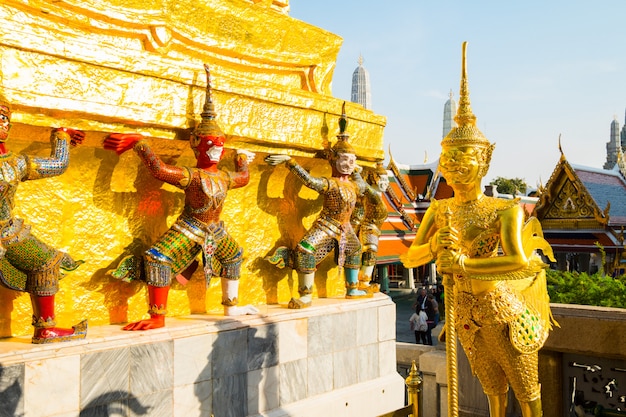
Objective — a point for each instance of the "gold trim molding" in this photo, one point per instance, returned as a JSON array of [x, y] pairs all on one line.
[[116, 65]]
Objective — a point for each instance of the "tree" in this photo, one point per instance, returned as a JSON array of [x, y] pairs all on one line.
[[510, 185]]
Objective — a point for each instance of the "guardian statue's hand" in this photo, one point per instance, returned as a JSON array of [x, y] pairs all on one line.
[[249, 155], [121, 142], [76, 136], [277, 159]]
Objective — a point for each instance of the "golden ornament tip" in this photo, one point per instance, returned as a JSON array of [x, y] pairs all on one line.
[[208, 111], [465, 133], [464, 115], [343, 120]]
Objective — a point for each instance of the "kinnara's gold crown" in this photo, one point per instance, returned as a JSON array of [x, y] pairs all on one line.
[[465, 133]]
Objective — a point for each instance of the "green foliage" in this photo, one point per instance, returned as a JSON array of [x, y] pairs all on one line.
[[510, 185], [580, 288]]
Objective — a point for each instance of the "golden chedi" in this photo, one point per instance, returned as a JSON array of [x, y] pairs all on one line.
[[113, 66]]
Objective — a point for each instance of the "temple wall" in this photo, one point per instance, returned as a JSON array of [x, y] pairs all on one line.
[[119, 66], [335, 358]]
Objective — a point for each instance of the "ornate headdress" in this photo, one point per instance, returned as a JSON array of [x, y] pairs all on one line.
[[208, 125], [342, 145], [466, 133]]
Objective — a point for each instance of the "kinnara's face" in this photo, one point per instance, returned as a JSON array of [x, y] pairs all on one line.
[[5, 122], [345, 163], [209, 150], [460, 164]]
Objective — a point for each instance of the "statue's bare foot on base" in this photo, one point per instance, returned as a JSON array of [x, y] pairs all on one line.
[[297, 303], [148, 324]]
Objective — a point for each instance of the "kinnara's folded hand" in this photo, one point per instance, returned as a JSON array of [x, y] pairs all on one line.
[[445, 261], [451, 262], [121, 142], [446, 237]]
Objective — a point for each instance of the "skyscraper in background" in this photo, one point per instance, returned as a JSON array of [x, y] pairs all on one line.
[[449, 110], [361, 93], [613, 146]]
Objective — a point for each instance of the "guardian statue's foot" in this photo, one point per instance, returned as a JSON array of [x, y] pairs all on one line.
[[154, 322], [158, 304], [354, 293], [297, 303], [45, 324], [45, 334], [368, 287], [353, 283]]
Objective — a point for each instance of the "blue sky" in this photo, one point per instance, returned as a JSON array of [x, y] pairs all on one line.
[[536, 69]]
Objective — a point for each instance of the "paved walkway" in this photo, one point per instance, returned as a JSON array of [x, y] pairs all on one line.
[[404, 300]]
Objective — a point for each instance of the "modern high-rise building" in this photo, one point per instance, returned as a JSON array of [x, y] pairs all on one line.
[[361, 93], [449, 110]]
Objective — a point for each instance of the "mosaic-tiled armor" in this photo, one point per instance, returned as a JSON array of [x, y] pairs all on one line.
[[28, 264], [368, 217], [332, 229], [198, 230], [495, 283]]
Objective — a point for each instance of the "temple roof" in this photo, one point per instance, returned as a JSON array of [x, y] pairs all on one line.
[[582, 205], [407, 198], [605, 186]]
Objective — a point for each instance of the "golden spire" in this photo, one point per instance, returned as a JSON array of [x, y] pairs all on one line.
[[464, 115], [208, 125], [465, 133], [342, 145]]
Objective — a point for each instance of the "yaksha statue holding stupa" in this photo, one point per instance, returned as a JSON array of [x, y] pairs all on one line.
[[332, 230], [495, 283], [368, 217], [198, 230], [26, 263]]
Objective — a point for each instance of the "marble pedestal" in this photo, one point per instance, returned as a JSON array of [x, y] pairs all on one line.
[[336, 358]]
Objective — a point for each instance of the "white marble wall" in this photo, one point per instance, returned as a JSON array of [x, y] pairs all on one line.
[[338, 355]]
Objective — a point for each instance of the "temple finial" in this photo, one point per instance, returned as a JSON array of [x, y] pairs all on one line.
[[343, 120], [464, 115], [208, 111]]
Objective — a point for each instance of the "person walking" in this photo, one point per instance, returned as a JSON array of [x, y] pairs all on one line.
[[419, 324], [420, 303]]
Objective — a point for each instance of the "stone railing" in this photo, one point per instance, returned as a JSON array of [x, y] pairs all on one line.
[[585, 356]]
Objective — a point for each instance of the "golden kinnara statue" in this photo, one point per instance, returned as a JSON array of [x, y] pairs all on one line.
[[496, 295]]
